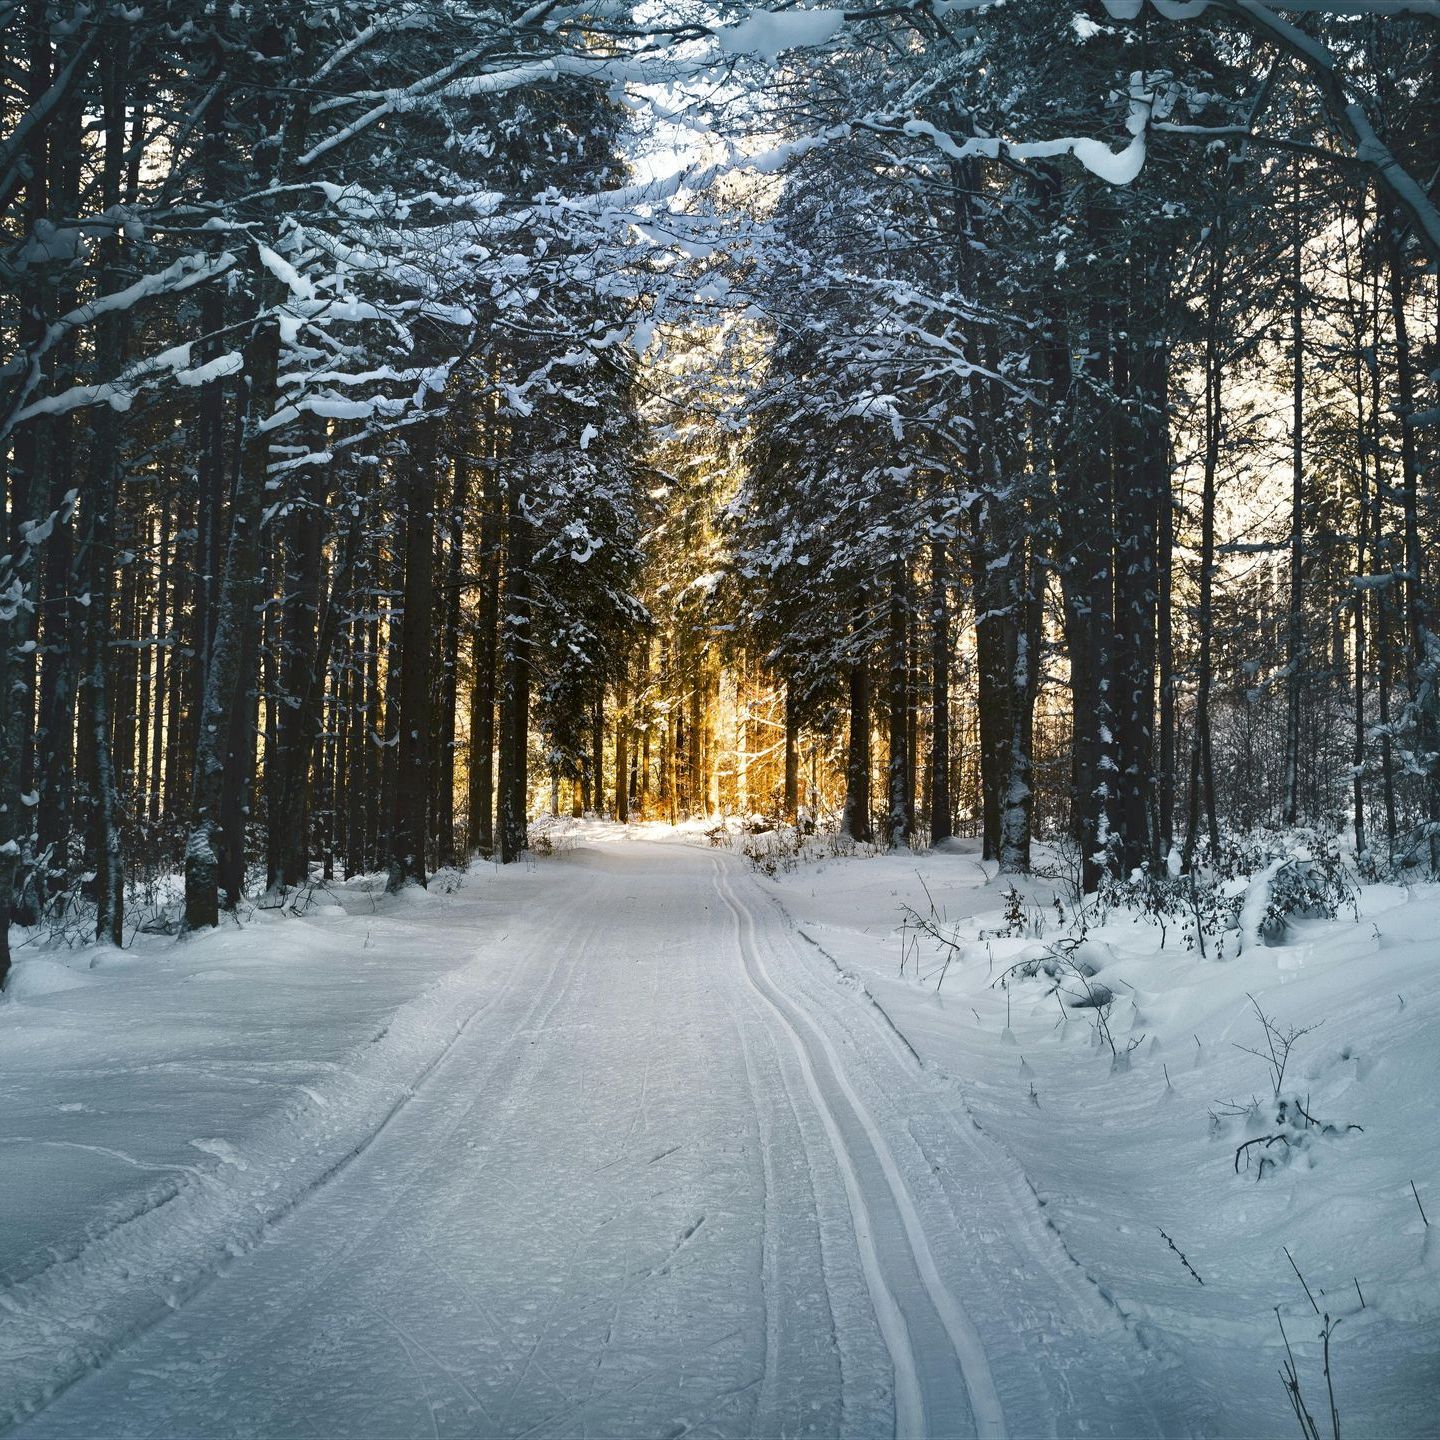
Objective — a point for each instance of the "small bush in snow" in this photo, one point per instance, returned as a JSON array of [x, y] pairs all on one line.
[[1312, 888], [1292, 1133], [778, 849], [1284, 1126]]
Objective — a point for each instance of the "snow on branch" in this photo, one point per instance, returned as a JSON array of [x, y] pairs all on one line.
[[188, 271], [1190, 9], [1404, 192], [767, 33]]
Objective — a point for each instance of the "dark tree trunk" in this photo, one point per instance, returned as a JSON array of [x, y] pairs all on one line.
[[99, 560], [238, 787], [1295, 628], [412, 788], [694, 755], [996, 642], [1363, 559], [597, 750], [1422, 645], [28, 490], [622, 751], [1165, 778], [1357, 607], [1142, 484], [227, 677], [211, 476], [1202, 765], [62, 638], [856, 821], [444, 825], [792, 754], [163, 716], [516, 640], [939, 806], [1017, 820], [482, 693], [308, 701], [897, 772], [377, 716], [288, 838], [1387, 563]]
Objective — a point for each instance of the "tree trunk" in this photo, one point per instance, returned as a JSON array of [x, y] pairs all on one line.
[[412, 788], [622, 751], [238, 785], [226, 680], [1165, 666], [62, 637], [1357, 605], [897, 774], [482, 694], [996, 635], [855, 820], [309, 705], [450, 649], [1018, 820], [304, 553], [695, 754], [99, 562], [938, 803], [1422, 664], [792, 755], [28, 489], [1202, 768], [516, 640], [1295, 629], [597, 750]]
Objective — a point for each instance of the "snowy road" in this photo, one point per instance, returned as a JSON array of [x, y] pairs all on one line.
[[675, 1177]]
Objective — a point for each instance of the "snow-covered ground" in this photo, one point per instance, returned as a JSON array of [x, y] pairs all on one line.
[[632, 1141], [1115, 1152], [164, 1105]]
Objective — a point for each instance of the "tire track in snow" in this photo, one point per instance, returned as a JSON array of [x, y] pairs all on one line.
[[964, 1339]]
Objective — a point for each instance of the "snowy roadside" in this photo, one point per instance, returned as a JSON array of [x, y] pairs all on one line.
[[1121, 1151], [164, 1107]]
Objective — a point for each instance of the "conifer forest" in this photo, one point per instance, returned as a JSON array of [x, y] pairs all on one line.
[[970, 468]]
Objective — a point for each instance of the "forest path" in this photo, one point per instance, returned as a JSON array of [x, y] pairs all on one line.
[[675, 1179]]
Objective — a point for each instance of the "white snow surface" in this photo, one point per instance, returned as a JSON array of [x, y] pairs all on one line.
[[631, 1141], [1107, 1154], [768, 33]]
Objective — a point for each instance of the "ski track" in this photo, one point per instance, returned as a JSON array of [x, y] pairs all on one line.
[[668, 1179], [912, 1410], [1138, 1371]]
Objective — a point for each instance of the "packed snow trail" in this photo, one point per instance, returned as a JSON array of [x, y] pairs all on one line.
[[674, 1180]]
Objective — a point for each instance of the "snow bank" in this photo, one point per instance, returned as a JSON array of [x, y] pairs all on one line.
[[39, 975], [1132, 1155], [163, 1110]]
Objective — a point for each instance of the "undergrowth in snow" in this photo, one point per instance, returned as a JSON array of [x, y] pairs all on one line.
[[1222, 1095]]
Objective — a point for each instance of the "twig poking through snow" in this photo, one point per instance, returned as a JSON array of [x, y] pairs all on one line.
[[1300, 1277], [1290, 1377], [1181, 1254]]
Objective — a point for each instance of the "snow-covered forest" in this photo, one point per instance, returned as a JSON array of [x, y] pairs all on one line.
[[967, 470], [991, 421]]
